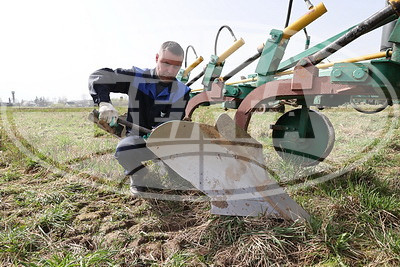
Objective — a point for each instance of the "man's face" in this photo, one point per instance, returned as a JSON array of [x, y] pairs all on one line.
[[168, 65]]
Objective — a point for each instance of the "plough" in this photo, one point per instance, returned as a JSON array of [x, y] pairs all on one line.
[[226, 163]]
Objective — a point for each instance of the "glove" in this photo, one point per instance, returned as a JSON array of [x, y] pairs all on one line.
[[108, 113]]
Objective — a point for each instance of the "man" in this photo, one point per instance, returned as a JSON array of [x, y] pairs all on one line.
[[155, 96]]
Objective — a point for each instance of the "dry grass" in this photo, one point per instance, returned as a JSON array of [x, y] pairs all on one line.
[[72, 215]]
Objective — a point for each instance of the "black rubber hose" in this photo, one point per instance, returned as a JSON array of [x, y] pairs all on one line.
[[216, 37], [362, 28], [187, 50], [288, 13], [192, 81], [241, 66]]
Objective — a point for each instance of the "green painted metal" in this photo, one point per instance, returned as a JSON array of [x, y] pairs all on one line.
[[308, 143], [349, 73], [180, 77], [213, 71], [330, 100], [271, 56], [396, 52], [385, 74], [395, 35], [274, 50], [291, 62], [238, 91], [382, 73], [304, 123], [231, 104], [395, 38], [270, 63]]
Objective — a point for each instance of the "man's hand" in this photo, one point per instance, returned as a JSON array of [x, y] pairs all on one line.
[[108, 113]]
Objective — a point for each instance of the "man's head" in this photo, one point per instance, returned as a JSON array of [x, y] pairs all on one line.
[[169, 60]]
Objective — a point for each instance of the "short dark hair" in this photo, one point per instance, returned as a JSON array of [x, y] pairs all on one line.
[[173, 47]]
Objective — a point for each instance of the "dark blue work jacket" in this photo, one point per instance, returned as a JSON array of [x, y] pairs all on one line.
[[151, 102]]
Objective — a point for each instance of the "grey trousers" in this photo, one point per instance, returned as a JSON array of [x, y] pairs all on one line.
[[131, 152]]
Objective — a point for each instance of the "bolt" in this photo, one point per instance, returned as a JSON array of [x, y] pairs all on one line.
[[358, 74], [236, 91], [337, 73]]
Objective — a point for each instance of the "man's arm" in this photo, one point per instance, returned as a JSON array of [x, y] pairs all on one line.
[[105, 81]]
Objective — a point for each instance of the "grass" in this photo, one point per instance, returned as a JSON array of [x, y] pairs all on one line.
[[61, 207]]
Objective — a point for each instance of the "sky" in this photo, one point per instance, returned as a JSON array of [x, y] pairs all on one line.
[[49, 48]]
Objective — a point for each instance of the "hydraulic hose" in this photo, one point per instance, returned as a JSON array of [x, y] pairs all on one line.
[[216, 37], [289, 12], [187, 50]]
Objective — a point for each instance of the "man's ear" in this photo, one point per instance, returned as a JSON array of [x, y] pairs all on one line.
[[157, 58]]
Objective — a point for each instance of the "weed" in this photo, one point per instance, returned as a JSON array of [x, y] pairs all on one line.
[[98, 258], [31, 164], [10, 176], [51, 198], [55, 219], [17, 243], [373, 200], [26, 198], [97, 132], [180, 259]]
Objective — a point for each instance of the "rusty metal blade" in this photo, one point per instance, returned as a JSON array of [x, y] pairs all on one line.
[[225, 163]]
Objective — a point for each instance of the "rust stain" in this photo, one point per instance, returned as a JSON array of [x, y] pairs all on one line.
[[209, 131], [261, 188], [228, 192], [236, 171], [220, 204]]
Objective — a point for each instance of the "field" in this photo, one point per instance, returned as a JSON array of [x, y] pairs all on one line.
[[64, 200]]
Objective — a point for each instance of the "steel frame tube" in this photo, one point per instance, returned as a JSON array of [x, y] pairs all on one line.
[[241, 66], [362, 28]]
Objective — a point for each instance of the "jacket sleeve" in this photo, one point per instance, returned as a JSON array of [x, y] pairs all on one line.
[[105, 81]]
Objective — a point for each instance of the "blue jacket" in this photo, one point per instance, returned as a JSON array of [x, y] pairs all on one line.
[[151, 102]]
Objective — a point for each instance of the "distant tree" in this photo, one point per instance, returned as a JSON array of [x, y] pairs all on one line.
[[62, 100], [41, 102]]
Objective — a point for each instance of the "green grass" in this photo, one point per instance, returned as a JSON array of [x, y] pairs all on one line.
[[17, 243], [62, 208], [98, 258], [62, 136]]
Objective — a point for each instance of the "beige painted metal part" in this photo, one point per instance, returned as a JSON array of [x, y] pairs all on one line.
[[225, 163]]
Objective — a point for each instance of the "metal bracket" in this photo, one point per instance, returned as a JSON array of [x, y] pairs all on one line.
[[349, 72], [213, 71], [303, 75]]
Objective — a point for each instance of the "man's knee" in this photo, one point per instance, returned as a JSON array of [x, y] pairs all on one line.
[[131, 152]]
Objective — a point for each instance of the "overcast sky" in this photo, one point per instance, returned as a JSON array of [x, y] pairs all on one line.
[[49, 48]]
